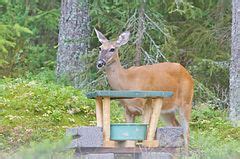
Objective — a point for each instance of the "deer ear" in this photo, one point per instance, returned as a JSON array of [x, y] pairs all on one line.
[[123, 38], [100, 36]]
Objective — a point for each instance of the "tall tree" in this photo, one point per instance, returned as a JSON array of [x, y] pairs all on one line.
[[72, 40], [235, 65]]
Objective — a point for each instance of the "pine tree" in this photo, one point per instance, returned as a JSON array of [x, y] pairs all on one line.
[[72, 40], [235, 65]]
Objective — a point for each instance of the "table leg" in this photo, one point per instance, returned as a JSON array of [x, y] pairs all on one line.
[[157, 106], [99, 111], [146, 117], [106, 123]]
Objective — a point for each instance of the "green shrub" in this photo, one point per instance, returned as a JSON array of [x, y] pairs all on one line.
[[45, 150], [212, 135], [211, 146], [28, 35], [32, 110], [207, 119]]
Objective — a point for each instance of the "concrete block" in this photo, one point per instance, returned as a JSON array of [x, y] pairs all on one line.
[[170, 136], [72, 131], [100, 156], [73, 144], [86, 136], [126, 156], [155, 155]]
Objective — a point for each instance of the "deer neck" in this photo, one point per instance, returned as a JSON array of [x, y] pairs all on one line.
[[115, 74]]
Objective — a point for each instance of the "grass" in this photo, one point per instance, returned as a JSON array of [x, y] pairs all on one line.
[[212, 135], [34, 111], [31, 110]]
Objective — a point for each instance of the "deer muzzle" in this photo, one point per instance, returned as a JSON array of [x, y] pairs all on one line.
[[100, 63]]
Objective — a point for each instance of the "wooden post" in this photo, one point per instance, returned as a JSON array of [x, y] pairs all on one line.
[[157, 106], [106, 118], [99, 111], [147, 112], [106, 123]]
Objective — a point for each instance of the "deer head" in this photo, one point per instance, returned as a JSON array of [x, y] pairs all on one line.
[[108, 51]]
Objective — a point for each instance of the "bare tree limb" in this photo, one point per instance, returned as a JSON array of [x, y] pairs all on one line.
[[140, 33]]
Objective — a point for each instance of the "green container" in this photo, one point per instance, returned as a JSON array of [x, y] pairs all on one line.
[[128, 131]]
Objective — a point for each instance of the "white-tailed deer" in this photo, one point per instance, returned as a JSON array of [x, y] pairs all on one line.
[[157, 77]]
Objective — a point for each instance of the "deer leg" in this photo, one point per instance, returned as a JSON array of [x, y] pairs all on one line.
[[129, 117], [185, 115], [170, 119], [147, 115]]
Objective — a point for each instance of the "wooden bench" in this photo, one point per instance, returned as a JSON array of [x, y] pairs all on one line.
[[103, 111]]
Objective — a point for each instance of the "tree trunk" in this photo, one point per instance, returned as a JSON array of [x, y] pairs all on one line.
[[73, 40], [235, 65], [140, 32]]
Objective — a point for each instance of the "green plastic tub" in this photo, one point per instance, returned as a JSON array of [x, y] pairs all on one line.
[[128, 131]]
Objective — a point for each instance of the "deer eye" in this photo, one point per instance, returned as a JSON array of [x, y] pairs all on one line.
[[112, 50]]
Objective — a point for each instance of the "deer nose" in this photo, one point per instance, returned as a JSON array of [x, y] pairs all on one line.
[[100, 63]]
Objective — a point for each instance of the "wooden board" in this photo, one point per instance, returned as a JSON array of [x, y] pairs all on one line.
[[99, 111], [125, 150], [129, 94], [106, 122]]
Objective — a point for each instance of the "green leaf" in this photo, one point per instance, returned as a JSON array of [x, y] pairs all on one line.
[[20, 29]]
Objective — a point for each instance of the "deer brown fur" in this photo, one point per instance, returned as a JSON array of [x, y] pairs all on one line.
[[157, 77]]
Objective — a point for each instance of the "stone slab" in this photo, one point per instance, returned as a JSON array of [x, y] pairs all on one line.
[[86, 136], [92, 136], [170, 137], [155, 155], [100, 156]]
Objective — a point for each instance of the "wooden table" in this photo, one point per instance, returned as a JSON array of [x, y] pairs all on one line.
[[103, 111]]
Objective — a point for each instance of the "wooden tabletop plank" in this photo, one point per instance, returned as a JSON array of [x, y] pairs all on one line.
[[129, 94]]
